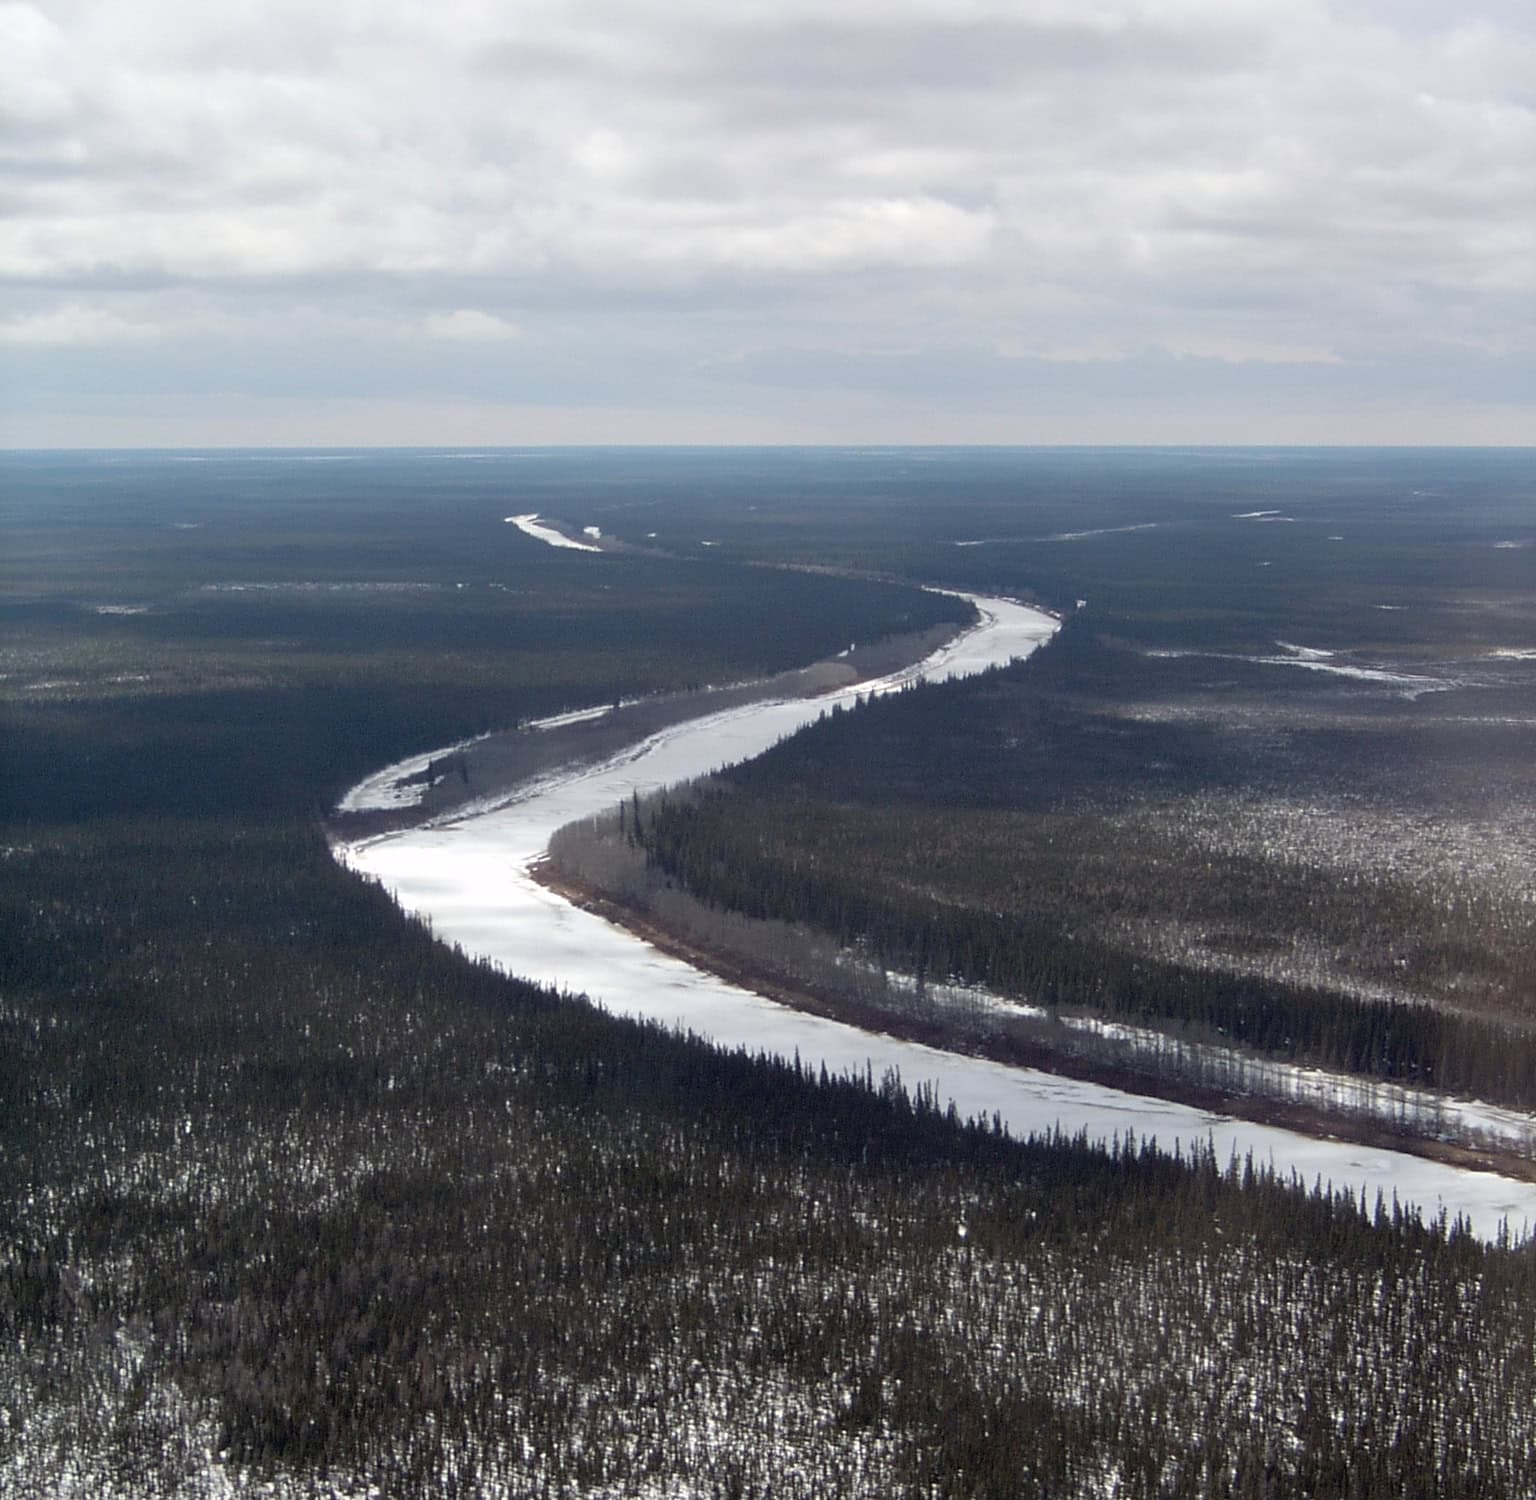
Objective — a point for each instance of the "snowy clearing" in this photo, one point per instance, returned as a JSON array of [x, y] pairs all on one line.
[[1313, 659], [1078, 536]]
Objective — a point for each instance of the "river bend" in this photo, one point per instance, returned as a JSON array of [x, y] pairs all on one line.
[[469, 875]]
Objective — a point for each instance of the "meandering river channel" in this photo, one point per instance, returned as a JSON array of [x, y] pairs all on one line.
[[469, 875]]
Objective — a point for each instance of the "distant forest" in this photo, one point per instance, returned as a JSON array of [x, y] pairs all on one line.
[[294, 1195]]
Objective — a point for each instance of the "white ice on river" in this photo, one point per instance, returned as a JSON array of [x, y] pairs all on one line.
[[541, 531], [471, 878]]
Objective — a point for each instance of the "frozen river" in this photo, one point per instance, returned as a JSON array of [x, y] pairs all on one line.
[[470, 877]]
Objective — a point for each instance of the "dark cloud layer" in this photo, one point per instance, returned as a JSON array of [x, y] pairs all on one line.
[[1214, 220]]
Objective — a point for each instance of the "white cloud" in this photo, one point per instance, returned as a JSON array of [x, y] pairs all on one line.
[[73, 325], [34, 68], [467, 325], [1061, 354], [833, 236], [656, 183], [1238, 351]]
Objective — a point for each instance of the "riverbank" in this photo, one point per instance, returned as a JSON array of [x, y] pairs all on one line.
[[459, 780], [1019, 1052], [469, 876]]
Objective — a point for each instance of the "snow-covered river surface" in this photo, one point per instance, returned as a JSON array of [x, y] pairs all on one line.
[[470, 876]]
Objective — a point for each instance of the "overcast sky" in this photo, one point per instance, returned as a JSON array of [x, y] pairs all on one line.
[[528, 221]]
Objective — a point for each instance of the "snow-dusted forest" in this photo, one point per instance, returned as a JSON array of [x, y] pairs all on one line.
[[300, 1200]]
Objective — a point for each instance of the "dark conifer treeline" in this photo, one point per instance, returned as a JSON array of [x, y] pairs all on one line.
[[991, 832], [289, 1182], [716, 845]]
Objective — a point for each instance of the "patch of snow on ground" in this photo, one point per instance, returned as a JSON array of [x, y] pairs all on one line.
[[1059, 536], [1314, 659], [1078, 536], [329, 586], [1492, 1125], [1412, 684], [579, 715]]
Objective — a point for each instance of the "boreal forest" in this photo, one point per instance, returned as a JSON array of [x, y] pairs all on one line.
[[300, 1201]]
